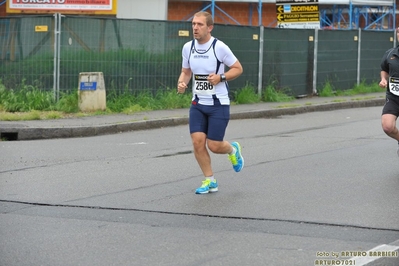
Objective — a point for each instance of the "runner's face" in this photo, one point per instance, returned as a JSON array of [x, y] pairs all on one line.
[[201, 31]]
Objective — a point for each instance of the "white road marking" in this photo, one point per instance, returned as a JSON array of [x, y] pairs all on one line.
[[134, 143], [391, 251]]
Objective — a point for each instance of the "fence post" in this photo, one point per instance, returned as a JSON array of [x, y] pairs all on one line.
[[260, 71], [359, 52], [316, 44], [57, 44], [55, 56]]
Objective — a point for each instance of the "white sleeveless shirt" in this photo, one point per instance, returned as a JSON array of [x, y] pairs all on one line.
[[204, 59]]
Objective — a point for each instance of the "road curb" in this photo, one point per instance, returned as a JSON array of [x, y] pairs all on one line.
[[18, 132]]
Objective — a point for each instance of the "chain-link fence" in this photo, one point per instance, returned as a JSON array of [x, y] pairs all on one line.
[[137, 55]]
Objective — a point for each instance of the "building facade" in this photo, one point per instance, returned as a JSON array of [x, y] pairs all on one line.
[[338, 14]]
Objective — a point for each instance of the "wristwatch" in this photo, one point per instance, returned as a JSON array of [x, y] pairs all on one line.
[[222, 78]]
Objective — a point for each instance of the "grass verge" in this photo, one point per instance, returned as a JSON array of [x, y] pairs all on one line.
[[30, 103]]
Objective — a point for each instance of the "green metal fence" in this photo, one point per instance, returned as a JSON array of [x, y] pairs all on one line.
[[26, 55], [137, 55], [372, 44], [288, 60]]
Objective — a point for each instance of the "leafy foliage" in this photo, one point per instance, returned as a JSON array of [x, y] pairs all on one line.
[[247, 95]]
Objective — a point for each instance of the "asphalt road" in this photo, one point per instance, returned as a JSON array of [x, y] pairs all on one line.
[[317, 188]]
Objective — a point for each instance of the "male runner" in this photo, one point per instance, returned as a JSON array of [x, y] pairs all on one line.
[[204, 59], [390, 81]]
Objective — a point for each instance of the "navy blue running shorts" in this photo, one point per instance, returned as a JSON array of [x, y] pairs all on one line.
[[209, 119], [391, 106]]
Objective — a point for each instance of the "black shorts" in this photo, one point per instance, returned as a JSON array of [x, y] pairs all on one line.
[[391, 106], [209, 119]]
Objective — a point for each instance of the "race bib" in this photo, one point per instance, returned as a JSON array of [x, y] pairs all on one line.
[[202, 86], [394, 85]]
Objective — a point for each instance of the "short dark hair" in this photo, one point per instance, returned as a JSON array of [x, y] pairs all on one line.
[[207, 15]]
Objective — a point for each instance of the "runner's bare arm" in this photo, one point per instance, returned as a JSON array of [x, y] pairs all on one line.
[[234, 72], [183, 80], [384, 76]]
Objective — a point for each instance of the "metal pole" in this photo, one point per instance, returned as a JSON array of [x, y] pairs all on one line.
[[394, 23], [213, 9], [359, 51], [394, 15], [58, 56], [350, 14], [260, 73], [316, 43], [55, 57]]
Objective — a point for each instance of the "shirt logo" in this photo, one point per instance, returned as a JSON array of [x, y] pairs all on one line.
[[201, 56], [201, 77]]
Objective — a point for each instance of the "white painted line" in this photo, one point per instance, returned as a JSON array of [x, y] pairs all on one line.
[[382, 251], [134, 143]]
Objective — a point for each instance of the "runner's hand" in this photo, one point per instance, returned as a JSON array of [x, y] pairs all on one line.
[[181, 87], [213, 78], [383, 83]]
